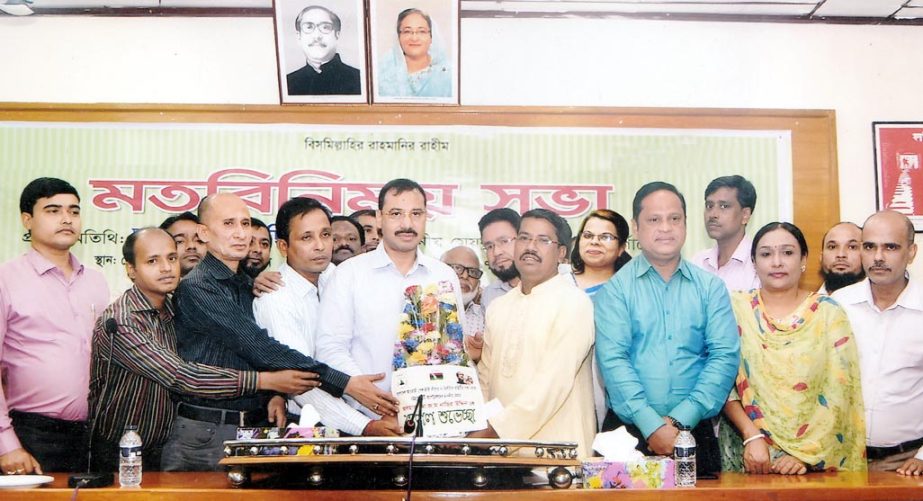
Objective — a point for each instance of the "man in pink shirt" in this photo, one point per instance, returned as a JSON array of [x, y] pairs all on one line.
[[48, 304]]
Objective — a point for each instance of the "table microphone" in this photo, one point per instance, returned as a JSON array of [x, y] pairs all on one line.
[[90, 479]]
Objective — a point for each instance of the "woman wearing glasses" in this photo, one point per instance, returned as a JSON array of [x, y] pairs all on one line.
[[600, 249], [417, 66]]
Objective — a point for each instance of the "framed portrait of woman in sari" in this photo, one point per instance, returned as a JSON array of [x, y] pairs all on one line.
[[414, 48], [321, 51]]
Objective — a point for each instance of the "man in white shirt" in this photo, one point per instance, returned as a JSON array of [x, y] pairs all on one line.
[[466, 265], [840, 259], [304, 235], [361, 307], [729, 204], [886, 312]]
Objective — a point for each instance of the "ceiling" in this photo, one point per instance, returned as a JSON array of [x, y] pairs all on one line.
[[858, 11]]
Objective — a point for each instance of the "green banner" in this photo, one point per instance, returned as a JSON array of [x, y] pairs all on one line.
[[134, 175]]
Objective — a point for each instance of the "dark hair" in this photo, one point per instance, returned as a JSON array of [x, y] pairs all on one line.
[[621, 228], [561, 228], [398, 186], [43, 187], [406, 12], [746, 193], [335, 19], [128, 247], [258, 223], [354, 223], [502, 214], [170, 221], [776, 225], [652, 187], [295, 207], [364, 212]]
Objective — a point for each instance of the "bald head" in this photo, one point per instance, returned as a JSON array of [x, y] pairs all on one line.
[[893, 219], [465, 263], [887, 249], [225, 227]]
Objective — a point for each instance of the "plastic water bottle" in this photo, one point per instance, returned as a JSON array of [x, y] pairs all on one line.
[[684, 458], [130, 457]]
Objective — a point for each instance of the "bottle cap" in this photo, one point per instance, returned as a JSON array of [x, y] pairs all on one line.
[[131, 427]]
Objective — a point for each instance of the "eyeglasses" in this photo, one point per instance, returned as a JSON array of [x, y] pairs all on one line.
[[604, 238], [407, 32], [541, 240], [324, 28], [460, 270], [398, 214], [500, 242]]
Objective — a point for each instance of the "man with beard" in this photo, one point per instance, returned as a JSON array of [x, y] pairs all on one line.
[[466, 265], [318, 32], [729, 204], [886, 311], [539, 343], [361, 309], [348, 238], [183, 230], [260, 248], [841, 258], [498, 233], [372, 233]]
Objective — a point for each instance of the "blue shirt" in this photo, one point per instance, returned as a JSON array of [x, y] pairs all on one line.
[[665, 348]]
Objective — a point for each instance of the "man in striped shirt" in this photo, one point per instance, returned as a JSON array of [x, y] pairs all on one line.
[[136, 368], [215, 326]]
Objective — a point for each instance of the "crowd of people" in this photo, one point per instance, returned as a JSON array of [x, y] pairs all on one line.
[[770, 377]]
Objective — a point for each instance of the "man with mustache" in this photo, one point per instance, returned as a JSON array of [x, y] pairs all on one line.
[[136, 369], [498, 232], [49, 302], [666, 337], [360, 311], [184, 230], [215, 326], [886, 312], [348, 238], [466, 265], [729, 204], [318, 32], [538, 345], [260, 248], [841, 257]]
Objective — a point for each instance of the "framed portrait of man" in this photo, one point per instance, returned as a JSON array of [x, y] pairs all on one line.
[[320, 46], [414, 48]]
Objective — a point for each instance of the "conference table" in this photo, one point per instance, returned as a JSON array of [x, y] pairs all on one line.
[[211, 486]]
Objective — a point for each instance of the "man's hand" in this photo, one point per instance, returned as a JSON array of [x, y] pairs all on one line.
[[911, 467], [267, 281], [662, 440], [19, 462], [473, 345], [363, 389], [288, 381], [789, 465], [756, 457], [488, 432], [384, 427], [276, 411]]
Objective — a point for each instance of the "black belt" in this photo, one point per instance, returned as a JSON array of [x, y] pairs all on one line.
[[221, 416], [883, 452]]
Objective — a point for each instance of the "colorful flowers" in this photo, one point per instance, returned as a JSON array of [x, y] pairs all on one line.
[[429, 332]]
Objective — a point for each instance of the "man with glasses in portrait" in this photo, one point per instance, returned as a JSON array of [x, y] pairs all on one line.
[[318, 32], [361, 308]]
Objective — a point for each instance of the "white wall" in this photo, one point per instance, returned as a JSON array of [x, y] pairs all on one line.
[[864, 73]]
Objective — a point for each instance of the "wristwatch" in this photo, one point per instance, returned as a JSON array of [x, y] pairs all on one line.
[[676, 423]]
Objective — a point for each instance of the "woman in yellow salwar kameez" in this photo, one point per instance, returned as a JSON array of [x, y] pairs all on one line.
[[797, 403]]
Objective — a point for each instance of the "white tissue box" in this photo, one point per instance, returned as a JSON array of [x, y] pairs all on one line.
[[651, 472]]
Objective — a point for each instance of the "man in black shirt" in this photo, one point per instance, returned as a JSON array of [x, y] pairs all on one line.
[[318, 31], [215, 326]]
